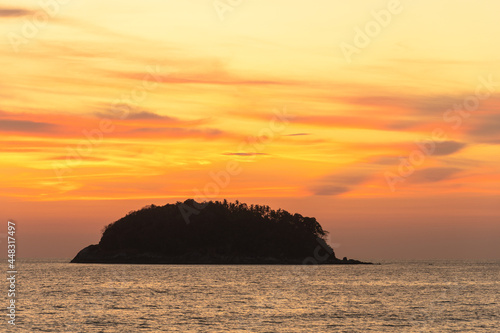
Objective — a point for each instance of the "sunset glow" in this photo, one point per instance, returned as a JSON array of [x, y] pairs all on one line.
[[109, 106]]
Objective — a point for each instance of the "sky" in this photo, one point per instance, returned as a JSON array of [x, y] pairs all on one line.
[[379, 118]]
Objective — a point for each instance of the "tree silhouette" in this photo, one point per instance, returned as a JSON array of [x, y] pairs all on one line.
[[220, 229]]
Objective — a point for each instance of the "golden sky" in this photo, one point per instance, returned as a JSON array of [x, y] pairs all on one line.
[[377, 116]]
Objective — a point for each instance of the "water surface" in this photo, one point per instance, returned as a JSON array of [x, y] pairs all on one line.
[[438, 296]]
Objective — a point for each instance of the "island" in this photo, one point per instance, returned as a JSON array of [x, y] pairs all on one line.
[[212, 232]]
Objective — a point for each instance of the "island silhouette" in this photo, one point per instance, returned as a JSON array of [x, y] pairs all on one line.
[[213, 232]]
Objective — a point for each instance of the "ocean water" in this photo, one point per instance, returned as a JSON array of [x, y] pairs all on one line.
[[434, 296]]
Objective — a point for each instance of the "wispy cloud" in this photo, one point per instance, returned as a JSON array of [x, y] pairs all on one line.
[[448, 147], [138, 115], [330, 190], [297, 134], [208, 78], [144, 124], [244, 154], [149, 115], [486, 129], [433, 175], [340, 182], [15, 12], [384, 123], [178, 132], [26, 126], [85, 158]]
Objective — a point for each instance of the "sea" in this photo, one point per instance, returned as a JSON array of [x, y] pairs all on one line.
[[395, 296]]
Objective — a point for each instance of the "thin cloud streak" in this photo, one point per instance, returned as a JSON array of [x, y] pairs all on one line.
[[433, 175], [26, 126], [244, 154], [15, 12]]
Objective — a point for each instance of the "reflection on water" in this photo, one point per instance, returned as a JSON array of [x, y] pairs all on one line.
[[55, 296]]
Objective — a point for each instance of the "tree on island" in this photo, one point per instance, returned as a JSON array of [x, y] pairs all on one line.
[[220, 232]]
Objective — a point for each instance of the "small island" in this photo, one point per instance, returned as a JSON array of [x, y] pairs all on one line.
[[212, 232]]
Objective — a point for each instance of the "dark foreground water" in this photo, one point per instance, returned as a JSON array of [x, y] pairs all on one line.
[[55, 296]]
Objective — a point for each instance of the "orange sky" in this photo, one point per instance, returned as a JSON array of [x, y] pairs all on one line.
[[381, 119]]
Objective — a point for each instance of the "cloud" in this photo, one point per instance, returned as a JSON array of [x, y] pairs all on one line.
[[341, 182], [378, 100], [486, 128], [15, 12], [442, 148], [417, 105], [10, 125], [210, 74], [145, 117], [347, 178], [385, 160], [149, 115], [298, 134], [448, 147], [139, 115], [143, 124], [384, 123], [433, 175], [85, 158], [331, 190], [435, 105], [179, 132], [244, 154]]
